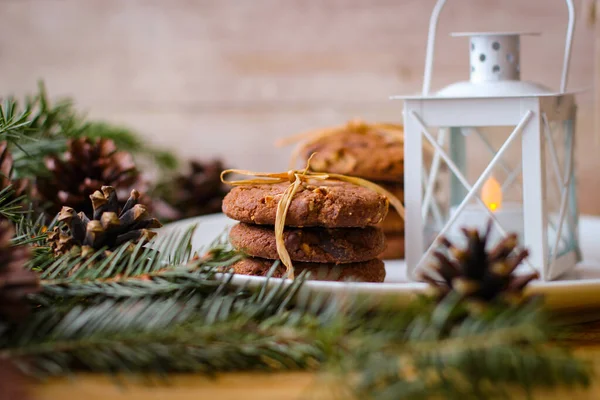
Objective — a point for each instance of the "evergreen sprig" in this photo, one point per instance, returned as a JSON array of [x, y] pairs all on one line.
[[128, 140], [11, 207], [32, 229], [163, 283], [14, 123], [230, 330], [426, 350], [38, 127], [173, 312], [453, 354], [162, 268], [123, 262]]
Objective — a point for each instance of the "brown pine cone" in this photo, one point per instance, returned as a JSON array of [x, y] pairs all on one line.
[[477, 274], [19, 186], [15, 280], [109, 227], [86, 166], [197, 193], [12, 382]]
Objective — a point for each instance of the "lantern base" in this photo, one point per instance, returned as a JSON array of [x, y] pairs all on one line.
[[562, 265]]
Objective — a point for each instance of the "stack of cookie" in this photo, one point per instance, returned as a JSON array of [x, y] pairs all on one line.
[[373, 152], [331, 230]]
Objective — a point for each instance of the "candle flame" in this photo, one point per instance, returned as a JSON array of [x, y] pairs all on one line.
[[491, 194]]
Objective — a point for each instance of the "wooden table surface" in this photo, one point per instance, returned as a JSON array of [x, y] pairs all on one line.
[[247, 386], [234, 386]]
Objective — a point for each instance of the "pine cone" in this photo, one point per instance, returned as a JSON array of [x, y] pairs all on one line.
[[19, 186], [197, 193], [85, 167], [15, 281], [109, 227], [477, 274], [12, 382]]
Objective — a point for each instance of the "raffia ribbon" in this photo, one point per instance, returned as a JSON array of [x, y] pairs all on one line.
[[297, 178]]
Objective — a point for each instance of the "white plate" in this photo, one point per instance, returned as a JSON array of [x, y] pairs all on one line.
[[578, 289]]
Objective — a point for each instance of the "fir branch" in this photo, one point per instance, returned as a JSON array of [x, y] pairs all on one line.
[[63, 120], [197, 278], [32, 229], [29, 156], [14, 123], [239, 330], [130, 141], [53, 119], [426, 350], [11, 207], [157, 309], [162, 268], [46, 134], [436, 354], [41, 127], [162, 283], [124, 262]]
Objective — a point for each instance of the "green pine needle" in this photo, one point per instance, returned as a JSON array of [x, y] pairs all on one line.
[[14, 123], [233, 330], [123, 262], [39, 127], [128, 140], [473, 356], [437, 350], [161, 268], [11, 207], [167, 314]]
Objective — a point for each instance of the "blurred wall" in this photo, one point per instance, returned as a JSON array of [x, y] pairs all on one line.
[[225, 78]]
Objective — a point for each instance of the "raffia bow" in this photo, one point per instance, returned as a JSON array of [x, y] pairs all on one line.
[[297, 178]]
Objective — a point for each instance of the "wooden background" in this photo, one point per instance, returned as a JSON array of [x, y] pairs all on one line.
[[225, 78]]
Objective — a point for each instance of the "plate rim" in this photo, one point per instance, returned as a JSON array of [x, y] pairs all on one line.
[[558, 294]]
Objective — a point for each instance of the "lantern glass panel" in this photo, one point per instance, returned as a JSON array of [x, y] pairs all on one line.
[[561, 205], [500, 193]]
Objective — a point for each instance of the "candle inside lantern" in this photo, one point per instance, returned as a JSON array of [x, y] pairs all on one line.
[[508, 214], [491, 194]]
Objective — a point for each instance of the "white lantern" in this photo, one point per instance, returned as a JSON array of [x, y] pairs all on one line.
[[524, 134]]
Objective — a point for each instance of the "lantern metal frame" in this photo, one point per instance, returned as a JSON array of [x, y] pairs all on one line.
[[531, 114]]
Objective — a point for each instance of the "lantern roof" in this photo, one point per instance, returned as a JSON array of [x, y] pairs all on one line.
[[495, 69], [493, 96], [493, 89]]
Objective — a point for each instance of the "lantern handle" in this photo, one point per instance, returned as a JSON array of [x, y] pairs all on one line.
[[433, 22]]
